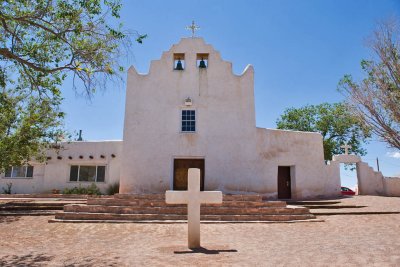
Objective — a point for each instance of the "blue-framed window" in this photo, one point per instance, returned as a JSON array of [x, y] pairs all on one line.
[[188, 120]]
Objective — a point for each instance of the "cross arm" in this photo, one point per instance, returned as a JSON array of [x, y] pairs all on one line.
[[176, 197], [211, 197]]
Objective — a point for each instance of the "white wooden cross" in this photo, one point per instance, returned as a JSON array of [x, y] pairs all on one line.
[[346, 148], [193, 198]]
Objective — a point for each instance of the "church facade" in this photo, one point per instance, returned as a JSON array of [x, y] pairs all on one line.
[[191, 111], [187, 115]]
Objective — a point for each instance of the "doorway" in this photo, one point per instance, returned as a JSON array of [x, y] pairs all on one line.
[[284, 182], [181, 167]]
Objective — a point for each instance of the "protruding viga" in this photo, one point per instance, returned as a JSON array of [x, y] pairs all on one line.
[[193, 198]]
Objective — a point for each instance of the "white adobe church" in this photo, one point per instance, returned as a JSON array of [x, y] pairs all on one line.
[[192, 111]]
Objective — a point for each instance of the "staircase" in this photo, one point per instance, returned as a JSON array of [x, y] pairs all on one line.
[[31, 208], [152, 208]]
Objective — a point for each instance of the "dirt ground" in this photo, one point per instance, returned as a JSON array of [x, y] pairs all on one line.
[[342, 240]]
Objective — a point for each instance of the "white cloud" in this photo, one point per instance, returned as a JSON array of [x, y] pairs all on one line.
[[395, 155]]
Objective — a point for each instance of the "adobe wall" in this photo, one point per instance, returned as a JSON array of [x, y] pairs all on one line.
[[225, 122], [392, 186], [54, 174], [311, 178]]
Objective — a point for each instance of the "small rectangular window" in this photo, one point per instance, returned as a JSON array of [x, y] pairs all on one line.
[[81, 173], [87, 173], [29, 171], [19, 172], [8, 172], [101, 173], [188, 121], [73, 175]]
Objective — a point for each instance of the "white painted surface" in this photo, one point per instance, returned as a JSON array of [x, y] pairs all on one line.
[[238, 156], [392, 186], [193, 197], [346, 158], [55, 173]]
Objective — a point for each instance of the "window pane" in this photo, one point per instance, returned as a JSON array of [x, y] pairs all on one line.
[[101, 173], [8, 172], [188, 123], [29, 172], [73, 175], [18, 171], [87, 173]]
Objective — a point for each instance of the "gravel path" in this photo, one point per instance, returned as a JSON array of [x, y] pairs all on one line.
[[342, 240]]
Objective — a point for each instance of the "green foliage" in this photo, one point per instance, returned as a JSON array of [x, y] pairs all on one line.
[[27, 127], [113, 189], [41, 42], [45, 39], [90, 190], [333, 121], [375, 99], [8, 189]]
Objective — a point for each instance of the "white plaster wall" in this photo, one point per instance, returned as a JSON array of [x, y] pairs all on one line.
[[225, 135], [346, 158], [303, 151], [55, 173], [25, 185], [332, 179], [238, 156], [370, 182], [392, 186]]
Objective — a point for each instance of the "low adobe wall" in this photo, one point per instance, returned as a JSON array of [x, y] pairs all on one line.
[[392, 186]]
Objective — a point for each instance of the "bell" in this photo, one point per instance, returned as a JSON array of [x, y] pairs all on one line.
[[179, 65], [202, 64]]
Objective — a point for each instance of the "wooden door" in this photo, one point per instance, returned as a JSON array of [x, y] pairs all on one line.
[[284, 182], [181, 167]]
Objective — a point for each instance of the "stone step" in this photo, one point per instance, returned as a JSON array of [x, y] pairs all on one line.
[[178, 221], [162, 197], [30, 204], [183, 210], [161, 203], [29, 213], [309, 203], [174, 217], [38, 207], [140, 196], [48, 196], [334, 207]]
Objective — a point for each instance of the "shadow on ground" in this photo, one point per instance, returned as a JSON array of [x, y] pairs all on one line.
[[202, 250], [8, 219], [25, 260]]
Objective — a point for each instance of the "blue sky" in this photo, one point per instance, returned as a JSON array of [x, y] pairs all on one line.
[[299, 49]]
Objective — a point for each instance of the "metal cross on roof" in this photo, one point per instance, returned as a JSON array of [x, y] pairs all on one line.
[[193, 28]]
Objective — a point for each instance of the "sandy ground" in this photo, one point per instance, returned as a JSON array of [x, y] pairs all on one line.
[[343, 240]]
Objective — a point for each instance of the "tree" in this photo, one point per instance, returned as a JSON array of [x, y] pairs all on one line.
[[41, 42], [333, 121], [376, 99]]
